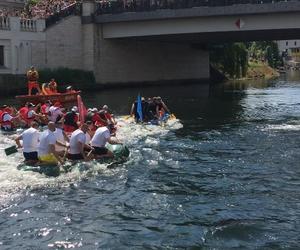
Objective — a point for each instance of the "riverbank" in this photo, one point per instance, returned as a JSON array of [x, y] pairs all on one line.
[[260, 70]]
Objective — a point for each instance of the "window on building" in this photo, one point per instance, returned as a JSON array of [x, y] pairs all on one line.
[[286, 43], [1, 55]]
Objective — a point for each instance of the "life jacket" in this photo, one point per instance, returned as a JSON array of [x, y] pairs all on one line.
[[44, 109], [24, 115], [6, 124], [23, 112], [100, 122]]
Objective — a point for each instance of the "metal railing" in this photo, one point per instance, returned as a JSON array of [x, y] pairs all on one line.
[[119, 6], [73, 9]]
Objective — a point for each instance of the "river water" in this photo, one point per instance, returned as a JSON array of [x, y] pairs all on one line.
[[227, 176]]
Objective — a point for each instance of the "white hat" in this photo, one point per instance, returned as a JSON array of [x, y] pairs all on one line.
[[105, 107], [74, 109], [94, 110]]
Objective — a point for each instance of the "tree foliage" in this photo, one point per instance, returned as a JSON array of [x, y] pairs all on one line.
[[231, 58]]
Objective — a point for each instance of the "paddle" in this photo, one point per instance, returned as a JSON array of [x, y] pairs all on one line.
[[11, 150]]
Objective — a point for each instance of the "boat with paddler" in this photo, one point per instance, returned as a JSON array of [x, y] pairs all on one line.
[[120, 151]]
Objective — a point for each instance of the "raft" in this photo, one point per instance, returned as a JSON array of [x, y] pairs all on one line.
[[121, 154], [63, 98]]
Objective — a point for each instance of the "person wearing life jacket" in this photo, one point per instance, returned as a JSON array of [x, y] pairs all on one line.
[[161, 108], [108, 115], [7, 120], [71, 120], [53, 86], [93, 117], [45, 107], [102, 120], [28, 114], [32, 77]]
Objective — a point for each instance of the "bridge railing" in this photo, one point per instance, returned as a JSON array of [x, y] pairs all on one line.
[[119, 6], [73, 9], [4, 23]]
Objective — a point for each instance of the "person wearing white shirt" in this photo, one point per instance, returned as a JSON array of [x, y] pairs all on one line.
[[46, 149], [30, 138], [61, 138], [55, 112], [100, 138], [78, 143]]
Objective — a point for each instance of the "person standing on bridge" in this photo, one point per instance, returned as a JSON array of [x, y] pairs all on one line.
[[33, 77]]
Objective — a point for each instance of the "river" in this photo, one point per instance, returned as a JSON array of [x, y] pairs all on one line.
[[227, 176]]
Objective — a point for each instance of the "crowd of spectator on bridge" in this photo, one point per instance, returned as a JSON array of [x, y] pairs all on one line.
[[43, 9], [51, 8]]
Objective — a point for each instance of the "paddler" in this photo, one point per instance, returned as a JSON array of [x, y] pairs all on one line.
[[61, 138], [78, 144], [7, 119], [100, 138], [30, 138], [46, 150], [55, 112], [71, 120], [32, 77]]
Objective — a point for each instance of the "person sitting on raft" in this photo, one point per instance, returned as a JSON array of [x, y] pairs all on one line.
[[7, 119], [61, 138], [78, 144], [55, 112], [46, 149], [30, 138], [134, 112], [32, 77], [45, 108], [71, 120], [108, 115], [161, 107], [28, 114], [99, 140]]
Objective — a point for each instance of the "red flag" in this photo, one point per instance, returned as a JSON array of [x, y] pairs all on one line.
[[82, 109]]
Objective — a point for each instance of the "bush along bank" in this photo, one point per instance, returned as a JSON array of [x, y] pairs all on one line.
[[246, 60]]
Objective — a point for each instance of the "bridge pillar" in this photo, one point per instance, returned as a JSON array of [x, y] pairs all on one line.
[[141, 61]]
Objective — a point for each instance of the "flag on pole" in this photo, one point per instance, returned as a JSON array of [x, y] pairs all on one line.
[[139, 109]]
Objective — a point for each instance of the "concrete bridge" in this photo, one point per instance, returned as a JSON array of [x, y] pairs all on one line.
[[242, 21], [142, 45], [146, 43]]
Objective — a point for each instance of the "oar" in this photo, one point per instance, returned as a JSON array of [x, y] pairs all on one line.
[[11, 150]]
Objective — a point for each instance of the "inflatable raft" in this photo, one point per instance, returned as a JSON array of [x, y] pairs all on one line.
[[121, 154]]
